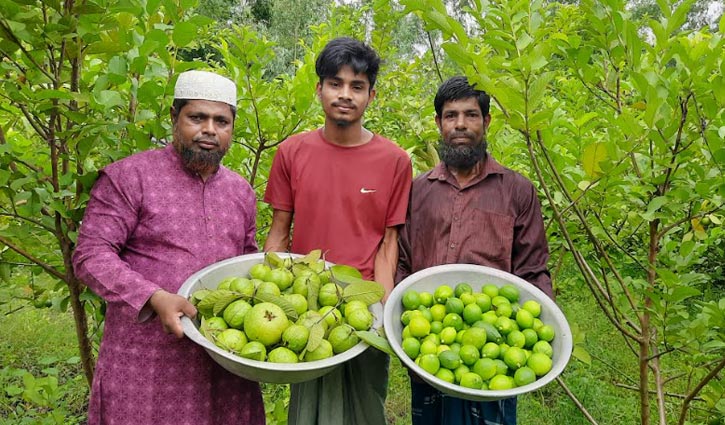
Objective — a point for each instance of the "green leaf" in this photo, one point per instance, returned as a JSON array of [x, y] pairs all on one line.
[[457, 53], [374, 340], [273, 260], [184, 33], [581, 354], [682, 293], [207, 306], [317, 334], [310, 258], [313, 291], [366, 291], [345, 275], [593, 155]]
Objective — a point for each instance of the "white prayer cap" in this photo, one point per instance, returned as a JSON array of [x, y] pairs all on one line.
[[205, 85]]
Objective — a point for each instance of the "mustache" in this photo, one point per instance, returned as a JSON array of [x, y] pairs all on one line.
[[343, 104], [457, 134], [213, 141]]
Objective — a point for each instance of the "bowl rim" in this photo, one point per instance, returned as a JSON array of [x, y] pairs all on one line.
[[469, 393], [191, 331]]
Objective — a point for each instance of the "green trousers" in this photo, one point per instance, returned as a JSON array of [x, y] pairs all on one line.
[[352, 394]]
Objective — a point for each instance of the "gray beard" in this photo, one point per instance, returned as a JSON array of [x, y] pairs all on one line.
[[200, 161], [462, 157]]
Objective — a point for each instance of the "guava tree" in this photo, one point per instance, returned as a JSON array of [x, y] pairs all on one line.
[[85, 83], [623, 123]]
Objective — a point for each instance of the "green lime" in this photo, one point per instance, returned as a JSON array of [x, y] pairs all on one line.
[[442, 293], [501, 382], [525, 319], [471, 380], [483, 301], [546, 333], [524, 376], [426, 299], [490, 289], [438, 311], [454, 305], [446, 375], [532, 307], [543, 347], [474, 336], [472, 313], [449, 359], [448, 335], [411, 347], [540, 363], [462, 288], [429, 363], [509, 291], [531, 337], [428, 347], [490, 350], [460, 371], [469, 354], [516, 339], [453, 319], [514, 358], [436, 327], [485, 368], [411, 299]]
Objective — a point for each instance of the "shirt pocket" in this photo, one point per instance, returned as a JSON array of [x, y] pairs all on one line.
[[490, 237]]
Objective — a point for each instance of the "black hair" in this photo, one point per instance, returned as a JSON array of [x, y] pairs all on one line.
[[180, 103], [457, 88], [348, 51]]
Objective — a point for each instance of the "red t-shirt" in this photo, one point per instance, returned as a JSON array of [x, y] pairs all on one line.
[[342, 198]]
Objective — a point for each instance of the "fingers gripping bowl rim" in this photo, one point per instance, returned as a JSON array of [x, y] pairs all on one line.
[[278, 373], [476, 276]]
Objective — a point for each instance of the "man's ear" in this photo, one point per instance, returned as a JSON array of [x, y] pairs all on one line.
[[372, 96], [438, 122], [318, 90], [486, 122], [174, 114]]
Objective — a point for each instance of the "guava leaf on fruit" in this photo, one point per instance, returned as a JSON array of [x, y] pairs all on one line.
[[313, 291], [317, 334], [216, 301], [288, 308], [374, 340], [299, 269], [366, 291], [199, 295], [273, 260], [345, 274], [310, 258], [209, 334]]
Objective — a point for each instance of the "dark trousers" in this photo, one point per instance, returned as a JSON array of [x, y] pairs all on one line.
[[431, 407]]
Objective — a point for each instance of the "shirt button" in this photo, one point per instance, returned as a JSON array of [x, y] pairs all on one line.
[[455, 218], [453, 245]]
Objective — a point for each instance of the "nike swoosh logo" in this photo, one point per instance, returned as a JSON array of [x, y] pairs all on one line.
[[363, 190]]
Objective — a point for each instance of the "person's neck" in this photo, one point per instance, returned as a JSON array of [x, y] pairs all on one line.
[[464, 176], [351, 135]]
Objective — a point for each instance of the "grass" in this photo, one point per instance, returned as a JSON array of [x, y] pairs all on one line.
[[42, 343]]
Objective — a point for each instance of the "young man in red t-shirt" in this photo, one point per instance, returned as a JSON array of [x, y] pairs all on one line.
[[346, 190]]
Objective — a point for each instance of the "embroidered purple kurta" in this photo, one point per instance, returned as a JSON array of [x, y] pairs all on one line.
[[149, 225]]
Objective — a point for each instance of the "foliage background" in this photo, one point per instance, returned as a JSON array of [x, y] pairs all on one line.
[[614, 109]]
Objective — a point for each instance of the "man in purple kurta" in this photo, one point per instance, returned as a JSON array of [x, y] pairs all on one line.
[[154, 219]]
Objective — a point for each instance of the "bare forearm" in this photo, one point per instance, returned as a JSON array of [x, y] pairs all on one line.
[[278, 239], [386, 260]]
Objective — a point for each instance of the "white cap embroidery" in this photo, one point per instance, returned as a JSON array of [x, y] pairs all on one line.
[[205, 85]]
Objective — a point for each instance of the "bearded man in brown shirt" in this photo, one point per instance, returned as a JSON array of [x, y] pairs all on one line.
[[470, 209]]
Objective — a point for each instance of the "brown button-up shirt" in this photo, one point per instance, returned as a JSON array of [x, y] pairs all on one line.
[[495, 221]]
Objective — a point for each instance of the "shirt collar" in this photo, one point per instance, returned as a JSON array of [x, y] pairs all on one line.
[[490, 166]]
